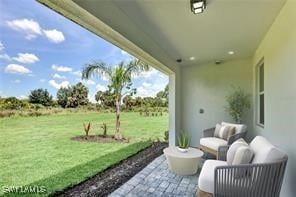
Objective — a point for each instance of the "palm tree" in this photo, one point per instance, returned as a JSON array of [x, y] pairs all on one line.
[[119, 78]]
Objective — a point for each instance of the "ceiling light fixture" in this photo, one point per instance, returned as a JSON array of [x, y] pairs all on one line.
[[198, 6], [192, 58], [217, 62], [230, 52]]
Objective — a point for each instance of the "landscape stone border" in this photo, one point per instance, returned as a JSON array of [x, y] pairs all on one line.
[[104, 183]]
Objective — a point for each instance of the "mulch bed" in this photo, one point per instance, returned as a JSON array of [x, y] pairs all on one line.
[[112, 178], [99, 138]]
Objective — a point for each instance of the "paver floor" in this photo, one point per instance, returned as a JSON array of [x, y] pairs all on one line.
[[156, 180]]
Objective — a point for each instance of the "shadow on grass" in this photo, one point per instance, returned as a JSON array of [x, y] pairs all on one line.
[[83, 172]]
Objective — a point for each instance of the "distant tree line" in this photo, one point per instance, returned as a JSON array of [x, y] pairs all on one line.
[[106, 100], [77, 95]]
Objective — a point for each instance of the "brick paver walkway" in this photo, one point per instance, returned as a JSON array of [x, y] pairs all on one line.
[[156, 180]]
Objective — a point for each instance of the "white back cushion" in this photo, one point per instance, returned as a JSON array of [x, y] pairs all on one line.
[[243, 155], [217, 129], [232, 149], [264, 151], [238, 127]]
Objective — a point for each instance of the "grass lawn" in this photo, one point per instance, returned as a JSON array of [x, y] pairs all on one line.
[[38, 150]]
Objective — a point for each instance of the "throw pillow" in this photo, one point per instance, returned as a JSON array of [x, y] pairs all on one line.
[[226, 131], [232, 149], [217, 129], [238, 127], [243, 155]]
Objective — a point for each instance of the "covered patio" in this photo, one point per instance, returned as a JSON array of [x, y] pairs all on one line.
[[156, 180], [204, 55]]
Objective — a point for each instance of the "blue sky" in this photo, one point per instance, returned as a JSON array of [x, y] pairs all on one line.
[[41, 49]]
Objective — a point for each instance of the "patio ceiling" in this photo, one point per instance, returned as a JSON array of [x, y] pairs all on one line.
[[168, 30]]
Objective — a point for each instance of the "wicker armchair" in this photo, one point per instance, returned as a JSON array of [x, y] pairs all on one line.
[[257, 179], [211, 144]]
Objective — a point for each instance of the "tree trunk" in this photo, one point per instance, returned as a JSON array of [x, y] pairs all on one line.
[[118, 135]]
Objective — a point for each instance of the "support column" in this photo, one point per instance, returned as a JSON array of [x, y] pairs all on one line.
[[172, 110]]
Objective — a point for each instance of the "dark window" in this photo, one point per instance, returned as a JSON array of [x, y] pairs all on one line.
[[261, 115], [260, 102], [261, 78]]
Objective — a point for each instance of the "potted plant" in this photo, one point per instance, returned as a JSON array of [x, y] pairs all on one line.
[[183, 142], [237, 102]]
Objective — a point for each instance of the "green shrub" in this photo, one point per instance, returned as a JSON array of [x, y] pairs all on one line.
[[166, 136], [35, 113], [37, 106], [104, 127], [183, 140], [86, 128], [62, 96], [7, 113], [40, 96], [11, 103]]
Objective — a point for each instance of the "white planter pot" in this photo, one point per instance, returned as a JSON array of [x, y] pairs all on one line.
[[183, 150]]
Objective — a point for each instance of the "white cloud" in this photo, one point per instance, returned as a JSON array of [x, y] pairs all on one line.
[[26, 58], [56, 85], [126, 57], [57, 76], [88, 82], [143, 92], [148, 89], [54, 35], [100, 87], [5, 57], [22, 97], [146, 85], [16, 81], [147, 74], [1, 46], [105, 78], [17, 69], [77, 73], [42, 80], [30, 27], [91, 98], [61, 68], [123, 52]]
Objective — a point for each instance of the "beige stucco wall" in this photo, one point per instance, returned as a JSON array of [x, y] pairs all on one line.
[[205, 87], [279, 51]]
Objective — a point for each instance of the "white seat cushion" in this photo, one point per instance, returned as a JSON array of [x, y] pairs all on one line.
[[212, 142], [264, 151], [207, 175], [238, 127]]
